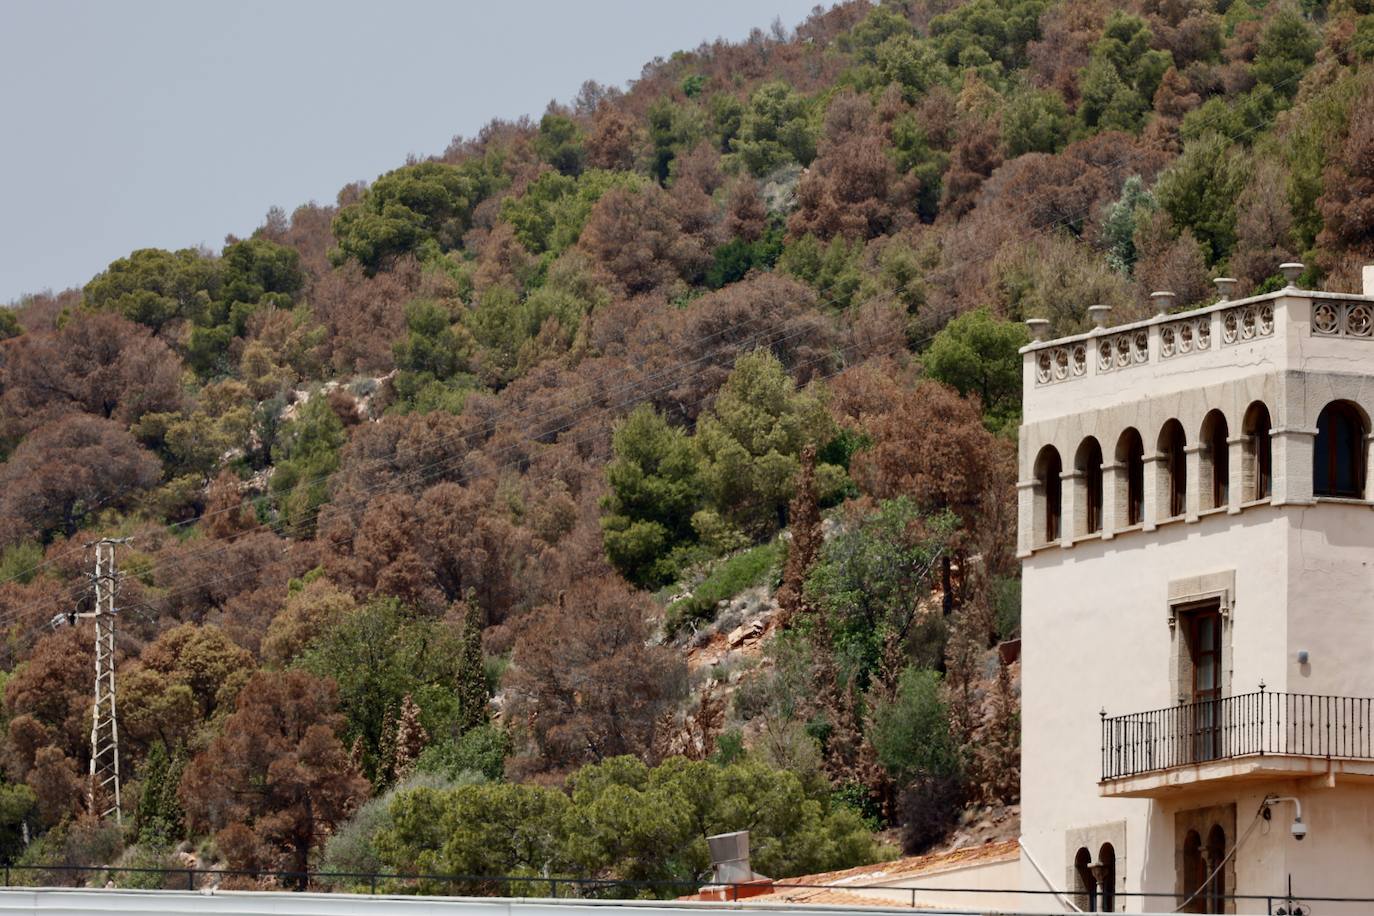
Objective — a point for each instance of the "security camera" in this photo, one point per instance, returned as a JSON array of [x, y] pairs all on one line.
[[1299, 829]]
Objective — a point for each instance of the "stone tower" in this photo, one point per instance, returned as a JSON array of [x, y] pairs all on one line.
[[1196, 528]]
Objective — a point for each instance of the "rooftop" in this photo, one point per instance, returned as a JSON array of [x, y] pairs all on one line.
[[888, 884], [913, 866], [1288, 328]]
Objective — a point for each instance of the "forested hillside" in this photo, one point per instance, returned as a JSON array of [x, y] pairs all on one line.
[[440, 493]]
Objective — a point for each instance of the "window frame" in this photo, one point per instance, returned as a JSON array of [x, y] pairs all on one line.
[[1327, 451]]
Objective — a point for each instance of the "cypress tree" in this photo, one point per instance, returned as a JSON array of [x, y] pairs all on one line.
[[411, 739], [473, 692], [804, 517], [159, 810]]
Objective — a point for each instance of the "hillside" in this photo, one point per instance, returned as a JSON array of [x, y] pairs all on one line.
[[639, 472]]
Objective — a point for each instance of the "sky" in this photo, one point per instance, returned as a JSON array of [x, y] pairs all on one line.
[[144, 124]]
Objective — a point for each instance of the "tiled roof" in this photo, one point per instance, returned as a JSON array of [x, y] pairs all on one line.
[[823, 896], [881, 873], [912, 866]]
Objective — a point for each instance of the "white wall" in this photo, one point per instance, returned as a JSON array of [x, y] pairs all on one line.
[[1095, 634], [1331, 600]]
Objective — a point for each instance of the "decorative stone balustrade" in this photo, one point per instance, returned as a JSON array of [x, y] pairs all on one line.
[[1059, 363], [1121, 351], [1343, 319], [1179, 338], [1247, 322], [1164, 338]]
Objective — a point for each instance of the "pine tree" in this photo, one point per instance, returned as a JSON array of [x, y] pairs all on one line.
[[411, 739], [804, 516], [473, 692]]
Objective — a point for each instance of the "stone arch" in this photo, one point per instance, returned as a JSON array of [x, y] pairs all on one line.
[[1339, 455], [1171, 495], [1216, 855], [1085, 885], [1214, 465], [1106, 891], [1049, 503], [1257, 453], [1194, 874], [1130, 478], [1087, 467]]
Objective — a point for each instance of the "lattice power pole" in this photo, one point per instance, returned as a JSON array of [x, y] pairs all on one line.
[[104, 787]]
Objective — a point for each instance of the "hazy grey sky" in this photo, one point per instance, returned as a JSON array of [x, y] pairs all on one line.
[[129, 125]]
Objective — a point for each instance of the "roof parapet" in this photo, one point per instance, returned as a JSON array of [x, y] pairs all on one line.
[[1039, 327]]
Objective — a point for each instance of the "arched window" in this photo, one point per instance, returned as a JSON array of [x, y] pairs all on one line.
[[1173, 481], [1130, 489], [1194, 874], [1085, 885], [1258, 470], [1216, 854], [1087, 465], [1215, 461], [1048, 492], [1106, 885], [1338, 459]]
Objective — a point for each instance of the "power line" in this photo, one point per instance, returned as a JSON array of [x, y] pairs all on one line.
[[424, 472], [478, 434], [896, 338], [1065, 221]]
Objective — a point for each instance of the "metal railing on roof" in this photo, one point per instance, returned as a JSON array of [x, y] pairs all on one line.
[[569, 889]]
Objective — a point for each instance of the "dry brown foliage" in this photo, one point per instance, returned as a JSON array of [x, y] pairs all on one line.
[[585, 683], [277, 778]]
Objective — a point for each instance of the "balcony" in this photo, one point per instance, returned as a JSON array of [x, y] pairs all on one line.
[[1254, 736]]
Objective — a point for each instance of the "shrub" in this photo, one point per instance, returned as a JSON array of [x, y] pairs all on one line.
[[910, 732], [1006, 606], [927, 808], [351, 850], [157, 860], [17, 561], [481, 751], [727, 579]]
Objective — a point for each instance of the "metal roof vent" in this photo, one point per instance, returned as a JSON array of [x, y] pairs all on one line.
[[730, 857], [732, 878]]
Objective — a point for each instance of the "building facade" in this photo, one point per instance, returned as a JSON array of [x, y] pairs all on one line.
[[1196, 528]]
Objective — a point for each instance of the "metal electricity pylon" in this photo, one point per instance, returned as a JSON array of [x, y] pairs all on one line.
[[104, 787]]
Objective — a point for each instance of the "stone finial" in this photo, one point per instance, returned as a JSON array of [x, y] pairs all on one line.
[[1039, 328], [1226, 286], [1367, 280], [1291, 270], [1163, 301], [1098, 315]]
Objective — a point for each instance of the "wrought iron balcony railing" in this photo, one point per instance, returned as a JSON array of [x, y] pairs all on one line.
[[1248, 725]]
